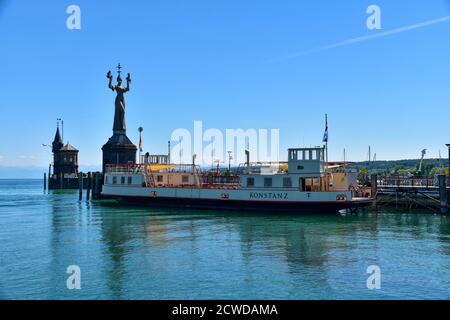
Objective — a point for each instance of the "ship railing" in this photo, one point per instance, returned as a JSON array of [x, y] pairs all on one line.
[[255, 167], [125, 168], [406, 181], [211, 179], [181, 168], [140, 168], [173, 168]]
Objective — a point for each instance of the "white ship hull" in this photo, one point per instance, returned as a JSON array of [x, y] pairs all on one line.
[[302, 185], [236, 199]]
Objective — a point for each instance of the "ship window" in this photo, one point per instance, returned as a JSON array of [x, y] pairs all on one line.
[[185, 179], [314, 155], [294, 154], [114, 180], [122, 180], [107, 180], [250, 182], [130, 180], [267, 182], [287, 182], [159, 178]]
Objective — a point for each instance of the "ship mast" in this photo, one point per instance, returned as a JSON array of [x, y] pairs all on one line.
[[325, 139]]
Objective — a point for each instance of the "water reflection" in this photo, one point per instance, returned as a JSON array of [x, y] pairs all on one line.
[[151, 253], [114, 236], [65, 215], [131, 253]]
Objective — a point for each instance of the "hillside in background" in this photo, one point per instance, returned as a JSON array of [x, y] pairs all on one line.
[[429, 166]]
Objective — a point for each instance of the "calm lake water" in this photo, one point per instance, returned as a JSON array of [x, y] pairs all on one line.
[[143, 253]]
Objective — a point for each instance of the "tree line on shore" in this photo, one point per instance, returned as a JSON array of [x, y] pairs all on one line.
[[409, 167]]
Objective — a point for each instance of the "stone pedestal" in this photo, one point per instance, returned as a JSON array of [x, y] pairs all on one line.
[[118, 150]]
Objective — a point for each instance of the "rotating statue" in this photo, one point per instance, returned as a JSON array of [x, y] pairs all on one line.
[[119, 111], [119, 149]]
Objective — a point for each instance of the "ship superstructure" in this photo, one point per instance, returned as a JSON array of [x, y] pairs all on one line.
[[302, 184]]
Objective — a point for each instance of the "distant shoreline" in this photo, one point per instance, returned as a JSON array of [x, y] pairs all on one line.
[[31, 172], [22, 179]]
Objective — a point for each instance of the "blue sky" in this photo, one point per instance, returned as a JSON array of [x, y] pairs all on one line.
[[222, 62]]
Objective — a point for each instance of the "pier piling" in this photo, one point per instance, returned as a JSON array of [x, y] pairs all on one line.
[[93, 186], [443, 193], [96, 186], [88, 186], [80, 185], [45, 181]]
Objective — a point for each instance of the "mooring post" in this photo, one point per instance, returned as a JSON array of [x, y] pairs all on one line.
[[93, 186], [45, 181], [443, 193], [88, 187], [80, 185], [49, 176], [374, 190], [95, 182], [98, 186], [61, 180]]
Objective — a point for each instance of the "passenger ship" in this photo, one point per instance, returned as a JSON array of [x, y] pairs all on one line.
[[303, 184]]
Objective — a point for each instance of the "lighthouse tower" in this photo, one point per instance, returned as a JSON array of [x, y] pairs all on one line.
[[65, 157]]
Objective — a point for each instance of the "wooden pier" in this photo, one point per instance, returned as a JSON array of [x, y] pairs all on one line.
[[431, 193], [91, 182]]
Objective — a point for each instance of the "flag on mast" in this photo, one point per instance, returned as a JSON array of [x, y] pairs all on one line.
[[325, 135], [141, 145]]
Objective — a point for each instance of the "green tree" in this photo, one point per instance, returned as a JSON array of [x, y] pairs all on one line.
[[362, 175]]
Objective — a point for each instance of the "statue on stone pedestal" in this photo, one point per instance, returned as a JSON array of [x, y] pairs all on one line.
[[119, 112]]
